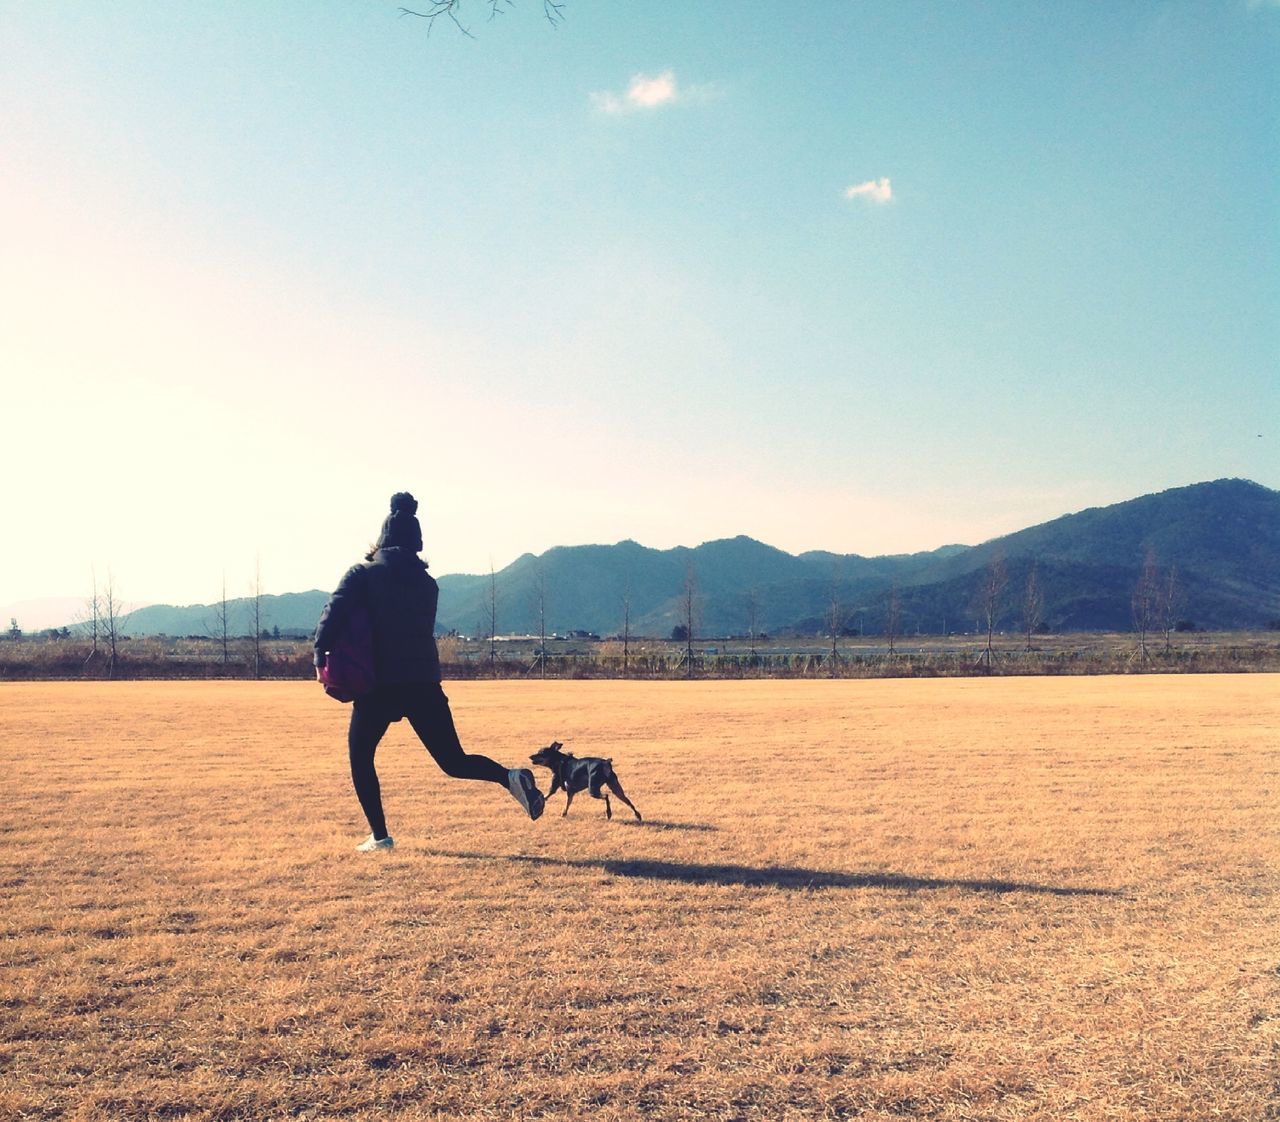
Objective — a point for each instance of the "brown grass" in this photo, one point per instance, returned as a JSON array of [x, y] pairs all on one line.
[[959, 899]]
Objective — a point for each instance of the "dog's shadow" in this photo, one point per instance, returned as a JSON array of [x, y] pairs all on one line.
[[781, 876], [658, 824]]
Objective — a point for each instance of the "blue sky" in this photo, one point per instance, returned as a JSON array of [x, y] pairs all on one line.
[[868, 277]]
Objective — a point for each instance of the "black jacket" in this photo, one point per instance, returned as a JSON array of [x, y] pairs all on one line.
[[400, 597]]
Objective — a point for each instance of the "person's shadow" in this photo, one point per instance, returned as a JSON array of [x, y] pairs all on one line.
[[778, 876]]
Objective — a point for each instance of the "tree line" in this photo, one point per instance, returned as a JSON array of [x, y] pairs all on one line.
[[1157, 601], [1156, 604]]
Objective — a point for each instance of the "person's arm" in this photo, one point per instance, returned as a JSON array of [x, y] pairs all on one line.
[[348, 592]]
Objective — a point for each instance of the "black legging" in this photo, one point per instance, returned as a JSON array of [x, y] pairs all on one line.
[[427, 709]]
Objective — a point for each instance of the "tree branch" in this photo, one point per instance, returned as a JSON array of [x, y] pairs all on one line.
[[553, 10]]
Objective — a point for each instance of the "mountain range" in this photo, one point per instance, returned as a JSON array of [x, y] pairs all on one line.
[[1223, 539]]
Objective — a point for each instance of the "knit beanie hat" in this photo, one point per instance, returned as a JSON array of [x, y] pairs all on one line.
[[400, 528]]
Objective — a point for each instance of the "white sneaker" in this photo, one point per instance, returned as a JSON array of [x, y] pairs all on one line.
[[371, 843]]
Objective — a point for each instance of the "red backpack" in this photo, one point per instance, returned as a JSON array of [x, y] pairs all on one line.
[[348, 666]]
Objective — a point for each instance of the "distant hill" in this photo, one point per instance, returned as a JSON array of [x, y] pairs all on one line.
[[1223, 537], [36, 615], [294, 613]]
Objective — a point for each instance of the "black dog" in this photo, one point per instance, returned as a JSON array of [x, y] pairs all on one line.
[[590, 773]]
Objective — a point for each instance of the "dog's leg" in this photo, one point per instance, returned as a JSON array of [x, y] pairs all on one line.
[[616, 788], [608, 810], [568, 799]]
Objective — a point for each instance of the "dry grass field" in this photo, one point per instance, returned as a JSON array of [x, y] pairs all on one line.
[[950, 899]]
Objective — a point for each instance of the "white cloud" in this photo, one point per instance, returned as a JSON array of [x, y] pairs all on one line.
[[647, 93], [644, 92], [875, 190]]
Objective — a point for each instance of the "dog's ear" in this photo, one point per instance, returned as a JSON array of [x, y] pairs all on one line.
[[556, 745]]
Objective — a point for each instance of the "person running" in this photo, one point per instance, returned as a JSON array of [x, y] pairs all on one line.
[[399, 596]]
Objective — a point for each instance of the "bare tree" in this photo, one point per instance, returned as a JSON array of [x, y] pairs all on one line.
[[493, 621], [835, 622], [540, 608], [222, 622], [1146, 599], [893, 616], [626, 628], [91, 615], [995, 580], [1032, 603], [111, 619], [688, 609], [1171, 601], [453, 11], [753, 621], [255, 614]]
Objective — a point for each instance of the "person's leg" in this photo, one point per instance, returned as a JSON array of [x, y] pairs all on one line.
[[368, 724], [432, 720]]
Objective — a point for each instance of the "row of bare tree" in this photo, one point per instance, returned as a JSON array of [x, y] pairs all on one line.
[[1157, 601], [104, 618]]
